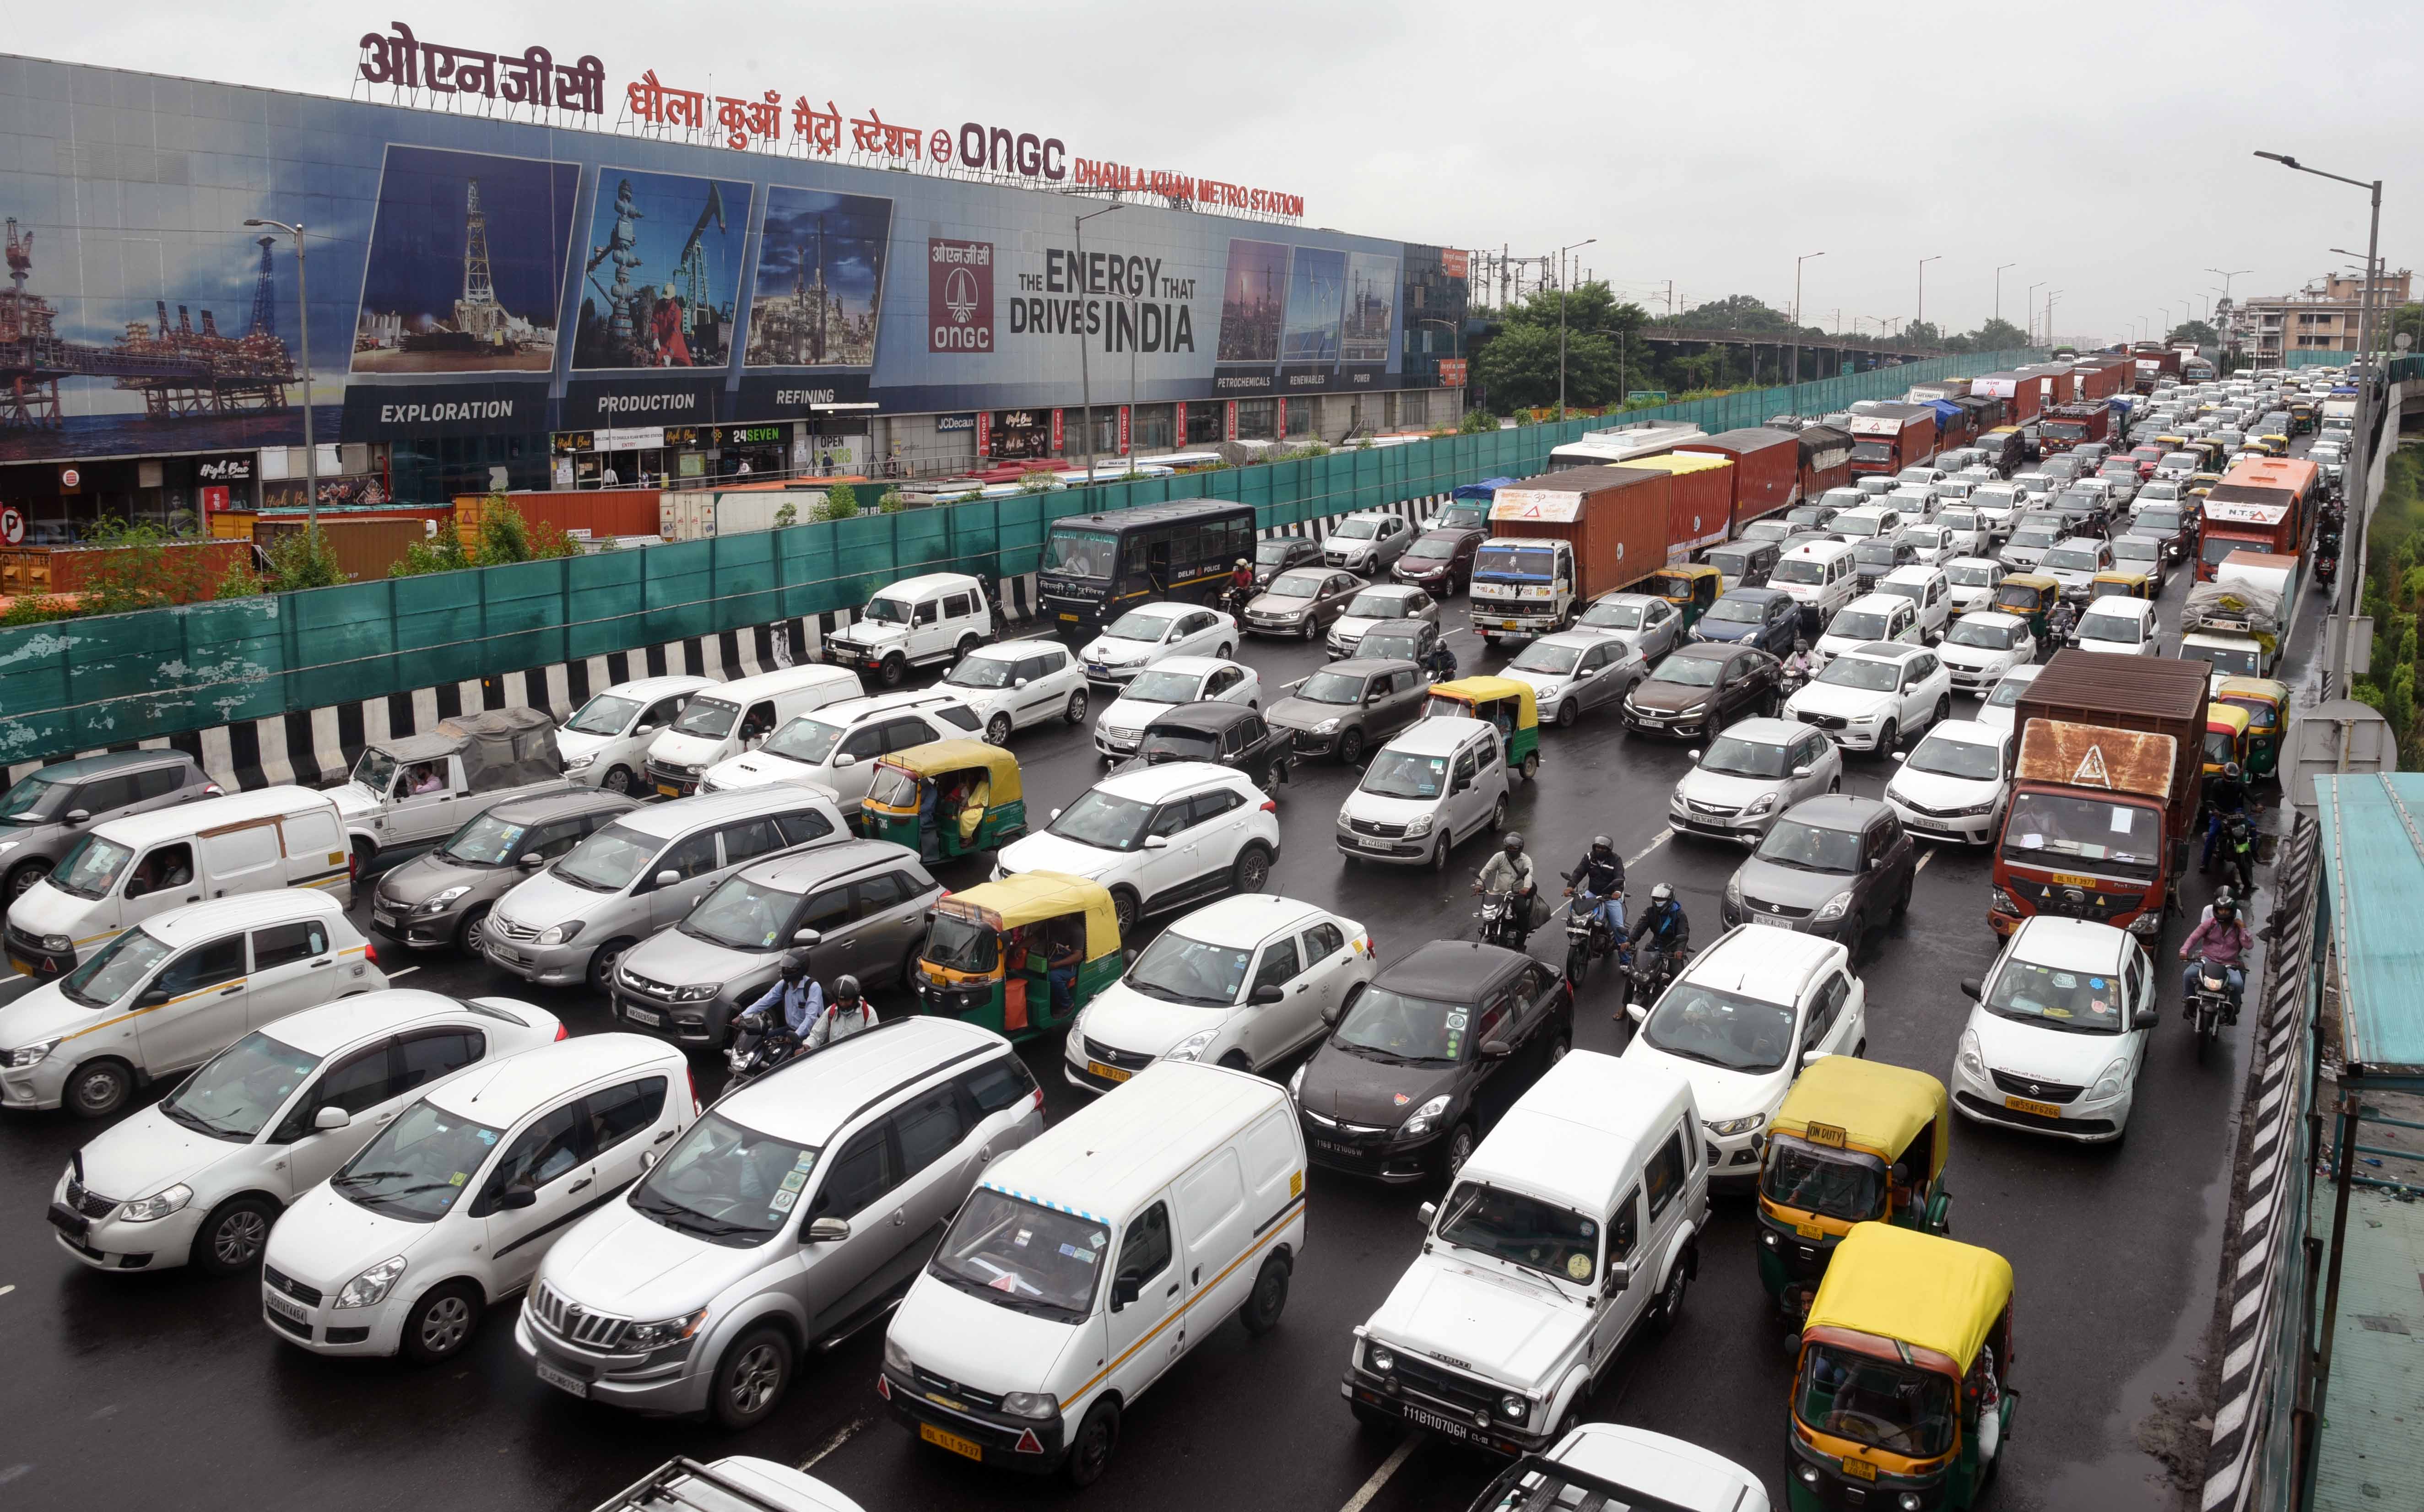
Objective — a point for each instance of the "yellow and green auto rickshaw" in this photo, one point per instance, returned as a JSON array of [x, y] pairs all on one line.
[[1019, 956], [1690, 586], [2226, 737], [1856, 1141], [2267, 704], [2302, 416], [2029, 595], [945, 798], [1901, 1393], [2121, 584], [1499, 701]]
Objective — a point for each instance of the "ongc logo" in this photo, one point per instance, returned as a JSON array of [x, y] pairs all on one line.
[[959, 295]]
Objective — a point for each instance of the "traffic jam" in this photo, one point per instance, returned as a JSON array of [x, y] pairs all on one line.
[[1703, 864]]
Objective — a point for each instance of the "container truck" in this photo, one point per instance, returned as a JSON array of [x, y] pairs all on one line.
[[1766, 478], [1826, 459], [2241, 623], [1889, 437], [1562, 539], [2065, 426], [694, 515], [2020, 396], [2101, 378], [2151, 363], [1619, 444], [2105, 792], [2261, 505], [1699, 501]]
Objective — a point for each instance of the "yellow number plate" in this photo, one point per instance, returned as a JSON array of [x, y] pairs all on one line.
[[2067, 879], [1809, 1231], [1071, 618], [1506, 624], [1860, 1470], [668, 790], [2022, 1105], [1109, 1072], [973, 1451]]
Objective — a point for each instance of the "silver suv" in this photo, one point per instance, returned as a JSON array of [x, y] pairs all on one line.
[[860, 907], [796, 1210]]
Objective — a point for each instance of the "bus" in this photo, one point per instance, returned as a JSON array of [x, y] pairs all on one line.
[[1098, 567]]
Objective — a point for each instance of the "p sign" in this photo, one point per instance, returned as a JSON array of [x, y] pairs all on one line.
[[12, 527]]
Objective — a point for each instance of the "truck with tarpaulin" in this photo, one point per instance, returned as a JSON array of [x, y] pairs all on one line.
[[2104, 794], [1954, 425], [2261, 505], [1889, 437], [1558, 540], [1825, 459], [2241, 623]]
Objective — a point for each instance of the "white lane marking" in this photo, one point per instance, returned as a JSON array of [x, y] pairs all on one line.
[[402, 971], [6, 1290], [1380, 1477], [1655, 841], [835, 1443], [1291, 686], [1924, 857]]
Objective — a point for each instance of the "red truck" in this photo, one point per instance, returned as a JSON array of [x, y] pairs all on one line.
[[1768, 469], [2105, 793], [2151, 363], [2098, 378], [1826, 459], [1890, 438], [1699, 501], [2018, 395], [2069, 426], [2260, 505], [1558, 540]]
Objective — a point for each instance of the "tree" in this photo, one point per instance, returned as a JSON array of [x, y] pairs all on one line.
[[442, 552], [138, 565], [841, 503], [1735, 312], [1921, 333], [1998, 334], [2195, 331], [1516, 365], [2408, 321]]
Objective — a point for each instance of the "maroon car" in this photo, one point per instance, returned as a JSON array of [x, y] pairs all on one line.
[[1439, 561]]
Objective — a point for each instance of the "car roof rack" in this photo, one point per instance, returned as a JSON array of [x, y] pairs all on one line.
[[682, 1483]]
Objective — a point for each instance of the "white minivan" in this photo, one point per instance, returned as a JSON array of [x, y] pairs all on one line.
[[737, 717], [129, 869], [1088, 1263], [1820, 576]]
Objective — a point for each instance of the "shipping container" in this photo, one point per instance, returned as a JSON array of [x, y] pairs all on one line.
[[1613, 520], [186, 570], [2101, 378], [1767, 470], [1826, 459], [1700, 501], [2065, 426], [2151, 363], [694, 515], [363, 549], [600, 511], [1889, 437], [2020, 396]]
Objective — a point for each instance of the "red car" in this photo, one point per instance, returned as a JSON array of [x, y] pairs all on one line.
[[1439, 561], [2145, 457]]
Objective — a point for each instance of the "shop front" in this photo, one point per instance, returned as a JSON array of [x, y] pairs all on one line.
[[1019, 435], [56, 504]]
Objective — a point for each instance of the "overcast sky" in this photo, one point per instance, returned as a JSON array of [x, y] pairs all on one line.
[[2102, 149]]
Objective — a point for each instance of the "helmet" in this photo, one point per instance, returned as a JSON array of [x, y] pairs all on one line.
[[1662, 894], [1514, 842], [845, 988], [1601, 842], [2225, 898], [2230, 769], [795, 966], [1243, 562]]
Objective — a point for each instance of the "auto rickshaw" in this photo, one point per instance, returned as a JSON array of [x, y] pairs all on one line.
[[2199, 484], [1856, 1141], [992, 951], [1901, 1386], [2226, 737], [2301, 416], [1499, 701], [1690, 586], [2119, 584], [2029, 595], [945, 798], [2267, 704]]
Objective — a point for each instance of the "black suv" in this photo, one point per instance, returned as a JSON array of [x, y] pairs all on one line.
[[1226, 735]]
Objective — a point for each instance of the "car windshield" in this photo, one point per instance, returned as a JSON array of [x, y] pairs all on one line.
[[1402, 641], [2137, 549], [1543, 657], [1331, 688], [710, 718], [375, 770], [2007, 692], [726, 1183], [1389, 1026], [2072, 560], [1298, 584], [1732, 612], [743, 915], [1352, 529], [1809, 848], [1523, 1230], [1688, 670], [1165, 687], [1943, 756], [90, 867], [1838, 1184], [239, 1090], [1141, 625], [1434, 547], [1862, 674], [984, 672], [883, 611], [2120, 629], [1176, 969], [1081, 553], [2234, 661], [1958, 521], [2036, 540], [959, 943], [418, 1166], [1730, 755], [1378, 606], [1019, 1255], [1986, 637], [1272, 552], [1858, 625], [1105, 821], [1696, 1022], [2072, 834], [2160, 517], [1607, 616], [1805, 571], [1182, 744], [1876, 553], [119, 967], [486, 841], [2076, 1002], [1977, 574], [31, 799], [607, 861], [1856, 524], [1405, 774], [1468, 514], [1514, 562], [1885, 1404], [606, 715]]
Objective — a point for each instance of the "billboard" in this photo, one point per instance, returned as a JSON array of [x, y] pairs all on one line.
[[662, 271], [467, 256], [820, 279]]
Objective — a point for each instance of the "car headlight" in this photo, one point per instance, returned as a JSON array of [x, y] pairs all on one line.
[[1328, 727], [1296, 1083], [1380, 1358], [371, 1287], [1548, 690], [1513, 1407], [2109, 1083], [1076, 1032], [663, 1331], [1193, 1046], [1418, 826], [1972, 1060], [158, 1205], [1864, 719], [1725, 1128], [1425, 1118], [1761, 805], [2000, 901], [560, 933], [1700, 707], [31, 1055], [438, 904], [1036, 1405], [58, 943], [698, 992], [1833, 907], [1733, 892], [579, 763], [896, 1357]]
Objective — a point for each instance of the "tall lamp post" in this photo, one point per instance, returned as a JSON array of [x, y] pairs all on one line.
[[2350, 590], [1796, 313], [2029, 311], [2226, 275], [1999, 291], [1455, 334], [310, 449], [1085, 379], [1562, 281], [1919, 316]]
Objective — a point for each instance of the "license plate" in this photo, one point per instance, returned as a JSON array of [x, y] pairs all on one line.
[[1506, 624], [1860, 1470], [1373, 844], [1333, 1147], [950, 1440], [666, 790], [1646, 723], [641, 1015], [70, 1222], [499, 953], [561, 1381], [293, 1311], [383, 919], [1107, 1073], [2021, 1104], [1069, 618], [1439, 1424], [2063, 879], [1918, 823], [25, 967], [1809, 1231]]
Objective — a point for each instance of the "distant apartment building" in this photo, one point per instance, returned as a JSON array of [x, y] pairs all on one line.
[[2322, 317]]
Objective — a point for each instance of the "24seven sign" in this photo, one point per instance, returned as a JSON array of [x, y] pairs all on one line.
[[959, 295]]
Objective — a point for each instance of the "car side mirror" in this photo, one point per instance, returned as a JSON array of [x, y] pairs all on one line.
[[1125, 1287], [1693, 755], [152, 996], [77, 816], [1637, 1013], [1156, 842], [2146, 1018], [330, 1117], [1896, 756], [1619, 1275], [845, 759], [1496, 1049], [1803, 771], [514, 1198], [826, 1231], [530, 861], [1426, 1214], [806, 937], [1811, 1058], [648, 1159], [1056, 813], [668, 877], [1970, 990]]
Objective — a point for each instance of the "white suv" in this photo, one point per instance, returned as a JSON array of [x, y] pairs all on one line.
[[836, 747], [1012, 685], [1875, 696], [1158, 837], [939, 616], [1153, 633]]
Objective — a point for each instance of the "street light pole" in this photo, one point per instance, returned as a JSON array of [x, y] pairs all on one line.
[[1921, 317], [311, 449], [1999, 291], [2226, 275], [1085, 377], [2029, 309], [1796, 315], [1562, 281]]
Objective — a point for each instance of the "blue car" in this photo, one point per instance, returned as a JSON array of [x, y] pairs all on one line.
[[1768, 618]]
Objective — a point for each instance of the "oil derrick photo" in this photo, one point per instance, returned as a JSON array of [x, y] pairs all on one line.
[[661, 273], [820, 279], [468, 253]]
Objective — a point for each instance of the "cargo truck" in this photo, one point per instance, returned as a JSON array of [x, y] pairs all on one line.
[[1562, 539], [2151, 363], [1826, 459], [2020, 396], [2099, 379], [1619, 444], [2241, 623], [1766, 476], [1699, 501], [1889, 437], [2065, 426], [2105, 792]]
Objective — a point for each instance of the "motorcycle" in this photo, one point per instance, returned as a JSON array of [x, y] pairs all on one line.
[[1650, 971], [1588, 936], [2326, 568], [1234, 600], [1791, 681], [2237, 847], [1499, 920], [2211, 1004], [755, 1052]]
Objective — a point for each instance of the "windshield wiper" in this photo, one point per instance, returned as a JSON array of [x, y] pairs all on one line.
[[357, 1178], [1375, 1053], [195, 1121]]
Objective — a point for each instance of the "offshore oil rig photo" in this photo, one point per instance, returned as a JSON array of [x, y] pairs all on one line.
[[180, 371], [480, 333]]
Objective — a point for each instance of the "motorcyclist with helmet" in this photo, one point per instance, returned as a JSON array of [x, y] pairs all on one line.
[[1511, 871], [1240, 588], [794, 996], [1662, 923], [2060, 624], [1597, 884], [845, 1014], [2226, 942], [2225, 793]]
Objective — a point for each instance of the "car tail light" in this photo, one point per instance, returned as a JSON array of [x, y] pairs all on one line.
[[370, 951], [1039, 1099], [213, 790], [692, 1076], [564, 1031], [1271, 805]]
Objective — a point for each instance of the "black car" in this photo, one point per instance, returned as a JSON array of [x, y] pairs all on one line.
[[1768, 618], [2004, 449], [1427, 1057], [2175, 524], [1441, 561], [2088, 512], [1816, 516], [1694, 688], [1872, 559], [1275, 554], [1226, 735]]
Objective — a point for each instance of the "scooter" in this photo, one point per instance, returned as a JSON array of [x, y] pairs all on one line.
[[2210, 1005], [755, 1052], [1588, 936]]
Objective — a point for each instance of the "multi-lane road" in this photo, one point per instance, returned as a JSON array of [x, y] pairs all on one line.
[[168, 1390]]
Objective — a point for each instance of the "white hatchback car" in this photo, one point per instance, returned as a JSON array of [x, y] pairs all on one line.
[[1973, 581], [1746, 1016], [1983, 645], [1158, 690], [450, 1208], [1754, 770], [1158, 837], [1954, 784], [206, 1171], [1377, 605], [1996, 708], [1869, 619], [605, 742], [2118, 626], [1872, 697], [1016, 685], [1245, 982], [2058, 1031], [1153, 633], [834, 750]]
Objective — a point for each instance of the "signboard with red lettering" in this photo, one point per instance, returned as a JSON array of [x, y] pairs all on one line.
[[1451, 371], [1057, 443]]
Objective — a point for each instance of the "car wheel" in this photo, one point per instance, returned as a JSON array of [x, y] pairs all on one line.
[[1076, 713], [1532, 766], [473, 937], [1261, 1313], [1670, 1299], [231, 1238], [1856, 933], [1124, 908], [441, 1324], [1460, 1149], [357, 864], [751, 1378], [997, 730], [603, 961], [1902, 902], [1835, 784], [1558, 1051], [1350, 748], [616, 781], [1498, 814], [968, 643], [1439, 854], [1312, 628], [99, 1087], [1252, 870], [1091, 1449], [1943, 710], [1890, 738], [893, 670], [1225, 652], [25, 876]]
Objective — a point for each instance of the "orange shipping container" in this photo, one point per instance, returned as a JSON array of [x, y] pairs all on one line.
[[365, 548], [1615, 517], [1699, 501], [601, 512], [1768, 469]]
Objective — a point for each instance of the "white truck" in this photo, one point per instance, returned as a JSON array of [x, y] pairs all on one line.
[[408, 792], [2243, 621]]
